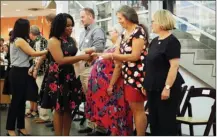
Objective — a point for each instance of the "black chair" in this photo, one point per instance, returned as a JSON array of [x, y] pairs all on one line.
[[190, 120]]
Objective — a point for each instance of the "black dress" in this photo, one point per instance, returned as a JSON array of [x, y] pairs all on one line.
[[62, 90], [162, 113]]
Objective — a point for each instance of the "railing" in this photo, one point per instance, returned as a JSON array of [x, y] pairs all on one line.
[[198, 16]]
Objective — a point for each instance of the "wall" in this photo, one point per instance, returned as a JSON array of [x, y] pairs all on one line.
[[7, 23]]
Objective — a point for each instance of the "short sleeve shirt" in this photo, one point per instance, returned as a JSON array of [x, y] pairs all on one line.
[[133, 72], [159, 54]]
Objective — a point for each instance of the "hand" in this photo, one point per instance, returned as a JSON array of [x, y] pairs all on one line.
[[45, 52], [107, 56], [34, 74], [144, 92], [110, 90], [89, 51], [86, 57], [30, 71], [165, 94]]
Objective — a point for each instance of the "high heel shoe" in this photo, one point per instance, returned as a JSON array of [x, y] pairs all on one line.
[[22, 134]]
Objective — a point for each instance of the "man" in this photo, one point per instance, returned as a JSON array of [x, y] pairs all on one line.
[[92, 39], [40, 43]]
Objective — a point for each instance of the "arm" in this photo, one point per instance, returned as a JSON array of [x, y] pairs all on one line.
[[25, 47], [117, 70], [54, 47], [98, 42], [171, 76], [173, 52], [137, 47]]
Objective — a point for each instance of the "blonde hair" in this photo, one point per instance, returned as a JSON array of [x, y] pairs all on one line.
[[165, 19]]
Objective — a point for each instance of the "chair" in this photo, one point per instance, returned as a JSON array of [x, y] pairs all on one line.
[[190, 120]]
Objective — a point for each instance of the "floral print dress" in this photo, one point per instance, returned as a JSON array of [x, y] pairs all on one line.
[[111, 112], [62, 90]]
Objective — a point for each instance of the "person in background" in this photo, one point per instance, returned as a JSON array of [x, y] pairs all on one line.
[[92, 39], [163, 81], [20, 51], [130, 57], [109, 110], [63, 90], [45, 114], [40, 43], [2, 59], [6, 88]]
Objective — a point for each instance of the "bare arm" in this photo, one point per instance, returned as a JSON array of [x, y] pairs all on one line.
[[171, 76], [25, 47], [117, 69], [137, 47], [54, 46]]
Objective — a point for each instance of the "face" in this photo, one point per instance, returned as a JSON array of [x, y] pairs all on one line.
[[85, 18], [5, 48], [68, 29], [113, 34], [1, 43], [155, 26], [31, 36], [122, 20]]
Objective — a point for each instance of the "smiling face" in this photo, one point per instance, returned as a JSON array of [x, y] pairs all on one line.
[[122, 20], [85, 18]]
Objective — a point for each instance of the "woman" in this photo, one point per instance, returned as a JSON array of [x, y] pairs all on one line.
[[131, 53], [62, 88], [163, 81], [108, 110], [20, 51]]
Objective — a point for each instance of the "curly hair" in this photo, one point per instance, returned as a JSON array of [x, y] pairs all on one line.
[[58, 25]]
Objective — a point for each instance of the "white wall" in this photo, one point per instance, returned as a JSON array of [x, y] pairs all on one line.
[[201, 107]]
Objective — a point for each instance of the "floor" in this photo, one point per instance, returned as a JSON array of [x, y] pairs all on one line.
[[36, 129]]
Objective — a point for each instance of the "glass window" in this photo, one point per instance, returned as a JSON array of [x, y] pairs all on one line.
[[105, 25]]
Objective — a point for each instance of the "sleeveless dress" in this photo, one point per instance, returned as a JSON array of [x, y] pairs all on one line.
[[111, 112], [62, 90]]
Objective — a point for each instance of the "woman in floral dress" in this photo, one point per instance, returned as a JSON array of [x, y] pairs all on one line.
[[108, 110], [62, 88]]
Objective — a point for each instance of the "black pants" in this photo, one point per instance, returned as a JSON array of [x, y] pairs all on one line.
[[162, 113], [18, 82]]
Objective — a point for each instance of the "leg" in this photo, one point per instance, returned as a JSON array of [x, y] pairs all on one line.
[[58, 123], [152, 108], [167, 110], [67, 120], [139, 117]]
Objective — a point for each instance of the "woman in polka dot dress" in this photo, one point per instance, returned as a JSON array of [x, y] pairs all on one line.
[[130, 57]]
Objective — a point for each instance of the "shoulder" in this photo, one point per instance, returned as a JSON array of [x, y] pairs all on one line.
[[54, 40], [174, 41], [19, 41]]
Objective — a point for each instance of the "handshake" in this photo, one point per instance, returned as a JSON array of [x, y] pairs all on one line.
[[91, 55]]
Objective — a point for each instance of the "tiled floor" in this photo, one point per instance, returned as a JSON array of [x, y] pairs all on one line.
[[37, 129]]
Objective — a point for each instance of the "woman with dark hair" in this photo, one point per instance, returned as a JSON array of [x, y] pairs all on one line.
[[20, 52], [130, 57], [62, 89]]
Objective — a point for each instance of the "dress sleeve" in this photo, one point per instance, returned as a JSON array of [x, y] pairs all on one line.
[[139, 33], [173, 49]]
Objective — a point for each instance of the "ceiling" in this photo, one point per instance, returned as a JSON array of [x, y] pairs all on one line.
[[20, 8]]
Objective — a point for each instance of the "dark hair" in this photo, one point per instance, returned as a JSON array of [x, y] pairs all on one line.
[[21, 29], [1, 39], [131, 15], [59, 24], [89, 10]]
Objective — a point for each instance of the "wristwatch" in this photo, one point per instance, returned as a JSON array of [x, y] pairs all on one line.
[[167, 87]]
